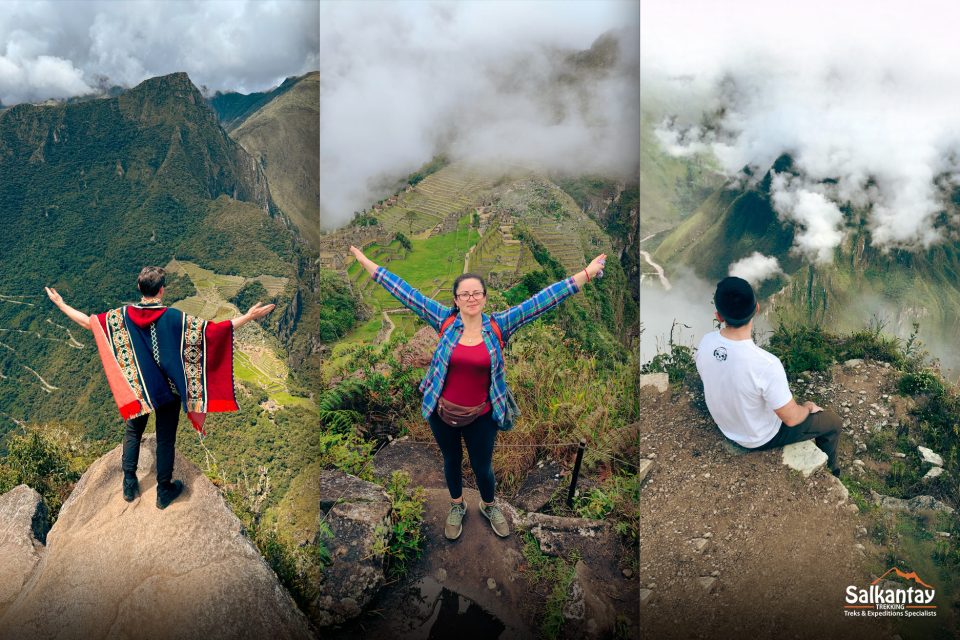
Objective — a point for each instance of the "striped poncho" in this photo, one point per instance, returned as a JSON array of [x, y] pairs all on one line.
[[151, 354]]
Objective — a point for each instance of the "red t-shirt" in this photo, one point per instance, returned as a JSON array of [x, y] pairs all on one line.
[[468, 376]]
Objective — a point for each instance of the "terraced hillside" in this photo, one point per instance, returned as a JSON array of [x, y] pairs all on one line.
[[256, 358], [432, 207]]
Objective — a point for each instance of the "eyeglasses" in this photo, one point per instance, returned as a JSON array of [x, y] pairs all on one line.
[[470, 295]]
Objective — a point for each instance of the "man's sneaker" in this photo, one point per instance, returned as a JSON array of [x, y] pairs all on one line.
[[455, 520], [130, 488], [497, 521], [166, 495]]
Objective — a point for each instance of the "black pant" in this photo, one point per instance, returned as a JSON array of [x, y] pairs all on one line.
[[823, 427], [168, 417], [480, 436]]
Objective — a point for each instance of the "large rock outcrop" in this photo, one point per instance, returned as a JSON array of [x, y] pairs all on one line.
[[358, 514], [23, 529], [114, 569]]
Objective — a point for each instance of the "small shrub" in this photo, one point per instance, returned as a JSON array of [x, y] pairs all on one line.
[[406, 520], [921, 383], [804, 348]]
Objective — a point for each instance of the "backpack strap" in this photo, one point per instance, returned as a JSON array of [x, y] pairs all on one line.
[[449, 320]]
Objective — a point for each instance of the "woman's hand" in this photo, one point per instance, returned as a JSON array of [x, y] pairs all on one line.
[[596, 265], [364, 261]]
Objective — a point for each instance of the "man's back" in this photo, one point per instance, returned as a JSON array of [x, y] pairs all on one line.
[[743, 386]]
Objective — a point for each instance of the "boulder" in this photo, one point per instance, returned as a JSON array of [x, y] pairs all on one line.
[[23, 530], [589, 611], [805, 457], [114, 569], [538, 487], [358, 514], [930, 457], [418, 350], [934, 472]]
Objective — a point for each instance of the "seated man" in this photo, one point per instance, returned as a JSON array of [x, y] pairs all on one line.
[[746, 387]]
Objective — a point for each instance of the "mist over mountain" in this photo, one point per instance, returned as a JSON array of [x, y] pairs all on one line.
[[57, 50], [551, 90]]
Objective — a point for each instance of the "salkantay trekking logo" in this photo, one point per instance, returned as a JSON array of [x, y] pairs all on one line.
[[889, 598]]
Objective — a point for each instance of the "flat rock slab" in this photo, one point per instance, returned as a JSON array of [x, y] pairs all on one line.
[[358, 515], [644, 469], [114, 569], [23, 529], [538, 487], [422, 461], [805, 457]]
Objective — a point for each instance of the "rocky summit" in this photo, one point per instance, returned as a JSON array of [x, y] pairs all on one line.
[[112, 569]]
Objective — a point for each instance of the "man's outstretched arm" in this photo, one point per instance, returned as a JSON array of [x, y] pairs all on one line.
[[255, 312], [79, 317]]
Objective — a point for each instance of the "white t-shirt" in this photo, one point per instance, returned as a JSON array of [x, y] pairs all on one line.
[[743, 385]]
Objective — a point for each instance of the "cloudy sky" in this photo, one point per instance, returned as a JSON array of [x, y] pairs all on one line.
[[402, 81], [861, 93], [58, 49]]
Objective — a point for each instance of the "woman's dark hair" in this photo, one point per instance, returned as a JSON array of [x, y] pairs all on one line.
[[456, 283], [151, 280]]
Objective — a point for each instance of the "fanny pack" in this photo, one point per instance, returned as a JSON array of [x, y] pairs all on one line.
[[457, 415]]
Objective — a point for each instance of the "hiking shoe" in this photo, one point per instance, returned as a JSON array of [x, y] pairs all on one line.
[[455, 520], [166, 495], [496, 518], [130, 488]]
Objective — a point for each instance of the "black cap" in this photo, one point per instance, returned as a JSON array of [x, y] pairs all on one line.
[[735, 300]]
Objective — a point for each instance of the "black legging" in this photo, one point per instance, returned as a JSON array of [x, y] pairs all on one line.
[[168, 417], [480, 436]]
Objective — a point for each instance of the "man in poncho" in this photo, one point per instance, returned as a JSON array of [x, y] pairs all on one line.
[[157, 359]]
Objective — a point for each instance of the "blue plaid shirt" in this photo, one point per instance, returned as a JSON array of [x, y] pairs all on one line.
[[434, 313]]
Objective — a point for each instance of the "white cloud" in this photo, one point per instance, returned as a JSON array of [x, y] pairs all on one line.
[[756, 268], [864, 104], [61, 49]]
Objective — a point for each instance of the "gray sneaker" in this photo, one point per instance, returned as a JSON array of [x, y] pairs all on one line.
[[496, 518], [455, 520]]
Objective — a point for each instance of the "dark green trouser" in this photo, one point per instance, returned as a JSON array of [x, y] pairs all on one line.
[[823, 427]]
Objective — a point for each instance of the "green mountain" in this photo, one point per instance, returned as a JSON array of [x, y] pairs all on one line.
[[862, 283], [233, 108], [94, 190], [283, 134]]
